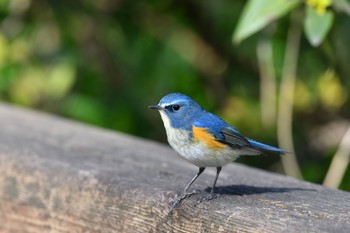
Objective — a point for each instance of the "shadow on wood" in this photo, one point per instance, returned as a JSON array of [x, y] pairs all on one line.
[[251, 190], [62, 176]]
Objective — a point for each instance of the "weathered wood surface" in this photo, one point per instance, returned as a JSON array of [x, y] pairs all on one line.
[[61, 176]]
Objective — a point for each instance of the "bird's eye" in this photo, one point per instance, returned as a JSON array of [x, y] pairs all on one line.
[[176, 107]]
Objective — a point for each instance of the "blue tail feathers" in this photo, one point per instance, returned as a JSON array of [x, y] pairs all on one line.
[[265, 148]]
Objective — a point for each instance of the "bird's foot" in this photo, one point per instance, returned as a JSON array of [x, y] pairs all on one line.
[[208, 197], [183, 196]]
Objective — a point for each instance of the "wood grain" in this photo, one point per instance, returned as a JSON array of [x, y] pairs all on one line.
[[62, 176]]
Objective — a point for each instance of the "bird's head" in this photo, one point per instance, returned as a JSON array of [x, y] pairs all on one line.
[[178, 110]]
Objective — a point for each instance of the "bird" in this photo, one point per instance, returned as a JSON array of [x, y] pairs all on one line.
[[204, 139]]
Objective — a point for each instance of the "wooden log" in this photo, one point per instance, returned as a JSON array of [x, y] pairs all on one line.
[[61, 176]]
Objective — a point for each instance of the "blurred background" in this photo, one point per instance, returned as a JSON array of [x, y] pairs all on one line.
[[278, 70]]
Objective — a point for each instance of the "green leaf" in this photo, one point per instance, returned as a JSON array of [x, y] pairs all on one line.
[[316, 26], [342, 5], [259, 13]]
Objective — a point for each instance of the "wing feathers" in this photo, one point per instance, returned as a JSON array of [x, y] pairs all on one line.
[[234, 138]]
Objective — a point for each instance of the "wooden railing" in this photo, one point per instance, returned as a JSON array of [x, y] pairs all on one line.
[[61, 176]]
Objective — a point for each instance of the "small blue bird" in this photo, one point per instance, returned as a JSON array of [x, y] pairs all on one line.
[[203, 138]]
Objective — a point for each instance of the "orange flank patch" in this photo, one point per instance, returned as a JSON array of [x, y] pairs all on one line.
[[202, 135]]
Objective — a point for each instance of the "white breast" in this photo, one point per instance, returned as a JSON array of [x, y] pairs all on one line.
[[197, 153]]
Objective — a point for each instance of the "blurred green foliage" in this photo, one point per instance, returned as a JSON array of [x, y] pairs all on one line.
[[104, 62]]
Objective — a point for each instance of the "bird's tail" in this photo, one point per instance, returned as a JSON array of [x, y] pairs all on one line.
[[265, 149]]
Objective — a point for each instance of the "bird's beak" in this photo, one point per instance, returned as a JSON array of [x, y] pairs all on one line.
[[156, 107]]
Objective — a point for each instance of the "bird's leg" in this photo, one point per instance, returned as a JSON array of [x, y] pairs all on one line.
[[218, 170], [185, 193], [201, 170], [212, 195]]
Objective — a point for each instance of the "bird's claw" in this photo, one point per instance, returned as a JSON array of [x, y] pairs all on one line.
[[209, 197], [183, 196]]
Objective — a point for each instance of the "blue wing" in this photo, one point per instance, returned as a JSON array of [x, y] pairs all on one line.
[[222, 131], [227, 134]]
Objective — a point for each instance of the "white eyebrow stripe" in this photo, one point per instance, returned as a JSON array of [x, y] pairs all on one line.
[[167, 104]]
